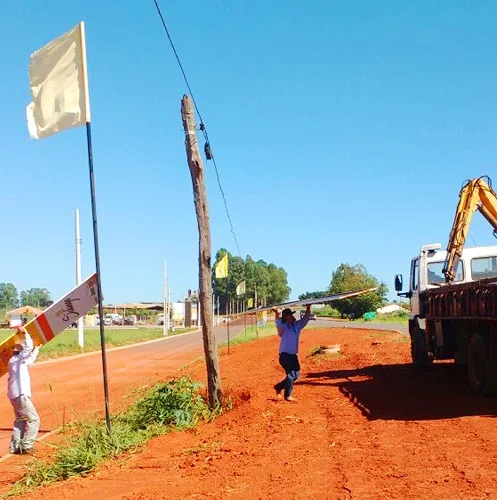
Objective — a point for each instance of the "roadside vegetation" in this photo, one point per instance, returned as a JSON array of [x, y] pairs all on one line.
[[250, 334], [401, 317], [176, 405], [327, 312]]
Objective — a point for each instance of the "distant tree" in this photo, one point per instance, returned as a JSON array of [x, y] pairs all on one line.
[[8, 296], [36, 297], [225, 288], [250, 276], [313, 295], [279, 291], [236, 274], [262, 282], [268, 280], [349, 278]]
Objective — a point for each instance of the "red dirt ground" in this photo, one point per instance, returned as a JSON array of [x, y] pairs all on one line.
[[364, 427]]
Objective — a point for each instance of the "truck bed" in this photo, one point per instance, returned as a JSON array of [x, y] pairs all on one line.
[[474, 300]]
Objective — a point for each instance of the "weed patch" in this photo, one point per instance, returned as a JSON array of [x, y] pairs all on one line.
[[322, 352], [174, 405]]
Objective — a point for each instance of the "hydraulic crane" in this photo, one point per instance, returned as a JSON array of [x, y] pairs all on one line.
[[476, 194]]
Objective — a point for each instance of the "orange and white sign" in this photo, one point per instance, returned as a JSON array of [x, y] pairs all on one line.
[[64, 312], [54, 319]]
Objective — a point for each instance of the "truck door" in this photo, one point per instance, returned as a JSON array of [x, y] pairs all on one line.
[[414, 286]]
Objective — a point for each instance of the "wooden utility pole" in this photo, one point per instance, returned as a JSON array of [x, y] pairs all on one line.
[[204, 253]]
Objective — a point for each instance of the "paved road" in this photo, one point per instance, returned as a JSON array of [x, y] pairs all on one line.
[[68, 388]]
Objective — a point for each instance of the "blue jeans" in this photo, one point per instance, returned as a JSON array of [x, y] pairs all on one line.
[[26, 424], [290, 363]]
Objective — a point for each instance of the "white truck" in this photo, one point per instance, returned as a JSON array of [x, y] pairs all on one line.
[[453, 295], [456, 321]]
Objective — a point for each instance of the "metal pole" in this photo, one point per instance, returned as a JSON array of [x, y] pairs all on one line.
[[245, 324], [199, 319], [99, 280], [213, 309], [168, 307], [218, 312], [81, 331], [164, 327], [228, 327], [256, 322]]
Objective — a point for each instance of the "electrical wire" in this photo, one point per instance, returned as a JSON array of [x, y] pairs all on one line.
[[202, 125]]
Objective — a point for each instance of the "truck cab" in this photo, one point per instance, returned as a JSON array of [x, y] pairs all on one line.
[[427, 271]]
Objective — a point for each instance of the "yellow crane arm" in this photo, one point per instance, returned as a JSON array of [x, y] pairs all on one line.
[[476, 194]]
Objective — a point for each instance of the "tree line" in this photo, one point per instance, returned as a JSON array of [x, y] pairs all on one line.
[[11, 299], [265, 283]]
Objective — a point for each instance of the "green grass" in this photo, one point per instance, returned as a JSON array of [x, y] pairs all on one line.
[[249, 334], [174, 405], [66, 343], [401, 318], [327, 312]]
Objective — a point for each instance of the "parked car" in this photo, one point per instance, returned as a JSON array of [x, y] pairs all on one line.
[[131, 320], [312, 316]]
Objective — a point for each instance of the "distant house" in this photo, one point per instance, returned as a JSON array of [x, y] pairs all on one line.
[[150, 306], [388, 309], [22, 315]]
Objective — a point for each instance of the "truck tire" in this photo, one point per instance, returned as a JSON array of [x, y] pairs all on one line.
[[482, 375], [419, 353]]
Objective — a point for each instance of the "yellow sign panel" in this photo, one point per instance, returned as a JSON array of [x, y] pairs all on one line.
[[6, 350]]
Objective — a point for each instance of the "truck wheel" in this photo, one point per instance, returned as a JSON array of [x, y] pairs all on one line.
[[481, 374], [419, 353]]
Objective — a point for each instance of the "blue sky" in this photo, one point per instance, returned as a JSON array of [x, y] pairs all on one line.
[[342, 131]]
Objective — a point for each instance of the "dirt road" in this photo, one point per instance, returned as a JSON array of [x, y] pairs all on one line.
[[364, 427]]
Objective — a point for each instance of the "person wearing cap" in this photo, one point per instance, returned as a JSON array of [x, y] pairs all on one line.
[[289, 330], [27, 421]]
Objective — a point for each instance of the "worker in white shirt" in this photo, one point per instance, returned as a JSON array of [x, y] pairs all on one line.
[[27, 421]]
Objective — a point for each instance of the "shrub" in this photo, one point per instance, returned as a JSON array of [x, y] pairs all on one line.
[[177, 404]]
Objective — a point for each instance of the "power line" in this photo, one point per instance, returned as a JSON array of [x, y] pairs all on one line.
[[202, 125]]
